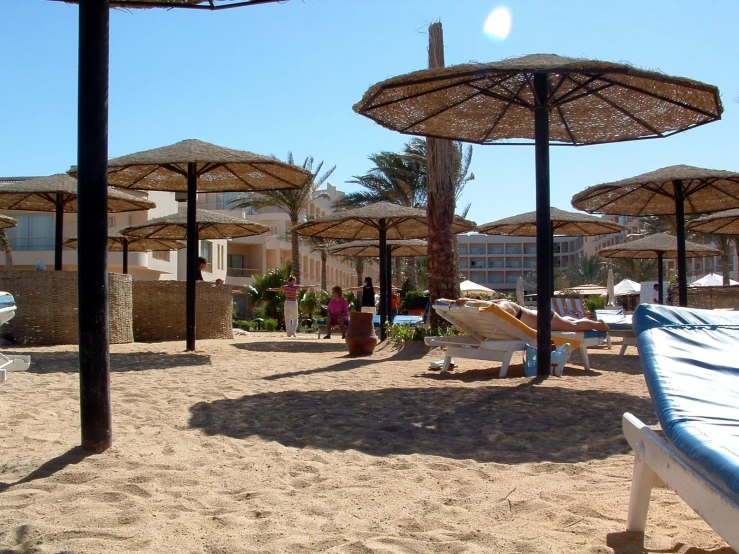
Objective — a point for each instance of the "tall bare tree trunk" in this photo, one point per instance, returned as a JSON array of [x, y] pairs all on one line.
[[441, 200], [397, 260], [295, 251], [725, 268], [5, 243], [324, 259], [412, 272], [359, 266]]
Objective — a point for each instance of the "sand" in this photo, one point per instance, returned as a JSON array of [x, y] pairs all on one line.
[[269, 444]]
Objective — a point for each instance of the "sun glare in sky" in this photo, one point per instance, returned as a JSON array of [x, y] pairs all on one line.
[[498, 23]]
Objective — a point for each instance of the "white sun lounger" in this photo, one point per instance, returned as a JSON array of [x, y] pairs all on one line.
[[10, 362], [692, 372], [493, 334]]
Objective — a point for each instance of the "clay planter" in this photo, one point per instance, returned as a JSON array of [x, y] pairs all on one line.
[[360, 336]]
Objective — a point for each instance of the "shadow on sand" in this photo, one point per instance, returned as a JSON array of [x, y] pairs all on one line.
[[68, 362], [489, 424], [626, 542], [72, 456]]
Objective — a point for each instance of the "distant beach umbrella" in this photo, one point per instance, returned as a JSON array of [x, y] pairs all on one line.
[[719, 223], [58, 194], [208, 225], [539, 99], [122, 243], [570, 224], [610, 285], [371, 248], [470, 287], [378, 222], [659, 246], [6, 222], [677, 190]]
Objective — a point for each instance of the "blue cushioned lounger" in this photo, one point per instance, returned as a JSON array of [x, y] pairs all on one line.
[[690, 360]]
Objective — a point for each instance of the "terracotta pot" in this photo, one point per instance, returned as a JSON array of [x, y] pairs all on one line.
[[360, 336]]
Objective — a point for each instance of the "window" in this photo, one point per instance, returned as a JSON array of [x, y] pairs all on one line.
[[477, 250], [111, 222], [206, 251], [513, 250], [529, 249], [33, 233], [497, 250]]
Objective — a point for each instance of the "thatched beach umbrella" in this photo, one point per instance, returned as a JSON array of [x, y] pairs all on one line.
[[122, 243], [562, 223], [676, 190], [719, 223], [6, 222], [208, 225], [659, 246], [92, 157], [541, 98], [194, 166], [371, 248], [379, 222], [58, 194]]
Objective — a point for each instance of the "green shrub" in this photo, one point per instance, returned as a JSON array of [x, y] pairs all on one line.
[[595, 302], [242, 324], [400, 334], [270, 324], [413, 300]]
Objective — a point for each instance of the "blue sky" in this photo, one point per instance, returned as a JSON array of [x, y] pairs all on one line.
[[283, 77]]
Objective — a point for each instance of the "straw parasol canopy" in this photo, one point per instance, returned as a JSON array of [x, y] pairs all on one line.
[[194, 166], [211, 226], [678, 190], [371, 248], [546, 99], [652, 246], [217, 169], [192, 4], [659, 246], [122, 243], [58, 193], [381, 221], [6, 222], [563, 223], [720, 223]]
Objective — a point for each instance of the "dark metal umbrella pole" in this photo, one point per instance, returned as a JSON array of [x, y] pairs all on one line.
[[92, 226], [192, 255], [383, 274], [544, 263], [682, 263]]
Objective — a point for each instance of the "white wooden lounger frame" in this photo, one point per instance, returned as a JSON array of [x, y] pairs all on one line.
[[658, 464], [13, 362]]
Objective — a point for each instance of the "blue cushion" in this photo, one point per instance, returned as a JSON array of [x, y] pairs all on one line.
[[594, 334], [691, 367]]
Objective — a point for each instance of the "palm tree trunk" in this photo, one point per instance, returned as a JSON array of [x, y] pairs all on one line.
[[296, 251], [441, 200], [5, 243], [398, 270], [412, 272], [359, 266], [725, 268], [324, 259]]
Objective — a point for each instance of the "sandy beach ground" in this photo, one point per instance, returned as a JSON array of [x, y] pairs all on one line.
[[270, 444]]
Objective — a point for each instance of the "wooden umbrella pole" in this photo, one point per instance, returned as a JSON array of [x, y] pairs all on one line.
[[660, 277], [92, 226], [125, 256], [383, 272], [192, 255], [58, 231], [543, 226], [682, 264]]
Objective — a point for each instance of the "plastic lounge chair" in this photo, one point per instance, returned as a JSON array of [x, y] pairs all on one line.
[[692, 372], [10, 362], [494, 334], [567, 306], [620, 325]]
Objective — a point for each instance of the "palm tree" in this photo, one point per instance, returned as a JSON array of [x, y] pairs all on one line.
[[723, 244], [402, 178], [635, 269], [321, 246], [5, 245], [587, 269], [292, 201]]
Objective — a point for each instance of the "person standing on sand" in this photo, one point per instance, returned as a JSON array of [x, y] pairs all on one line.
[[291, 304], [368, 295]]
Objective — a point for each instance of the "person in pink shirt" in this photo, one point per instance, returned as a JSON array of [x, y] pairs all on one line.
[[338, 312], [291, 304]]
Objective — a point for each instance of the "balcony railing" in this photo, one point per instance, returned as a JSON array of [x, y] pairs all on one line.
[[242, 272]]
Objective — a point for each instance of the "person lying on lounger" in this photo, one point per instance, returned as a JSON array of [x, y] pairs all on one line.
[[559, 323]]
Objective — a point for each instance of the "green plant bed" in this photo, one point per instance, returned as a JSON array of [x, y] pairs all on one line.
[[400, 334]]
